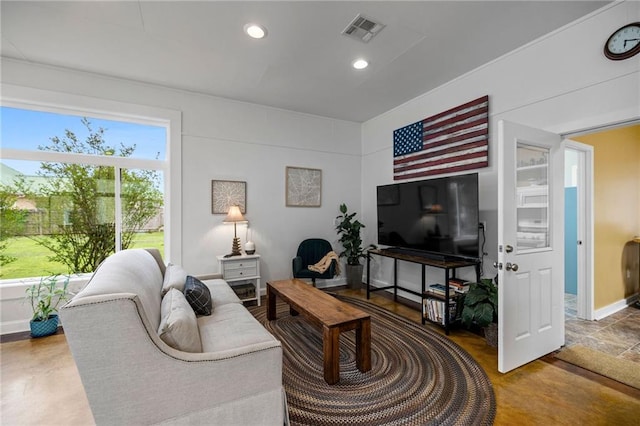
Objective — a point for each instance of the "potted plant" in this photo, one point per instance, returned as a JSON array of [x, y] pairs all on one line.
[[44, 298], [349, 231], [481, 308]]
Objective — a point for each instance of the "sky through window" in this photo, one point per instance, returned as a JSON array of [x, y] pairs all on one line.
[[27, 129]]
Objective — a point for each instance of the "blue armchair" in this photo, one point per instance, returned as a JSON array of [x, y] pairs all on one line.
[[310, 252]]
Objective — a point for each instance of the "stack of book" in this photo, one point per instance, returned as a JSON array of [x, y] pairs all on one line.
[[459, 285], [439, 289], [456, 285], [434, 310]]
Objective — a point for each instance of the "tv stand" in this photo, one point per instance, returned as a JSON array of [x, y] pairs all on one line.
[[418, 253], [449, 264]]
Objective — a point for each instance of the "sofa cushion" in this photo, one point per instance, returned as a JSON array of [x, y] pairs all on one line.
[[198, 296], [174, 277], [178, 324], [221, 293], [231, 326]]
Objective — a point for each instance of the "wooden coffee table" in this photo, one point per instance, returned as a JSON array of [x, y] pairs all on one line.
[[331, 315]]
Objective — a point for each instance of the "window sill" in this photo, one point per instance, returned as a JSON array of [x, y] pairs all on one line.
[[15, 288]]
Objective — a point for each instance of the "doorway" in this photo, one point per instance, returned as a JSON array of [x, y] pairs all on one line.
[[578, 238], [533, 277], [612, 142]]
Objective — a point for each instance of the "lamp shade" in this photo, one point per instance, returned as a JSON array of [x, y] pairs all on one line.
[[234, 215]]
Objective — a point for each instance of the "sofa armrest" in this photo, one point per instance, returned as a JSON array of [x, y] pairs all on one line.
[[209, 277], [132, 377]]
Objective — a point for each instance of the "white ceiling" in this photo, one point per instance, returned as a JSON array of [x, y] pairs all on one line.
[[304, 64]]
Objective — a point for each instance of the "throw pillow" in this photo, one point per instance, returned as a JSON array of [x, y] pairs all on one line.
[[198, 296], [174, 277], [178, 324]]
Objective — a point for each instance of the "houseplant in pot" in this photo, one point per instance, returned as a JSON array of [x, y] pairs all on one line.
[[44, 297], [481, 308], [349, 231]]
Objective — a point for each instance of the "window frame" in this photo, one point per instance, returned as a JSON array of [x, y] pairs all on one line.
[[82, 106]]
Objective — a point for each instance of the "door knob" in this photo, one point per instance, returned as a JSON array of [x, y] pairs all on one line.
[[497, 265], [511, 267]]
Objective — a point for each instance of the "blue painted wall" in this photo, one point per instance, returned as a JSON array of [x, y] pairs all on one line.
[[570, 240]]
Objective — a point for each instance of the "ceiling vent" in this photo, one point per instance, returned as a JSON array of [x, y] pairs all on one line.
[[363, 28]]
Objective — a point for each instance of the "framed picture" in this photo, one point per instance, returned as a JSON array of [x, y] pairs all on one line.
[[226, 193], [303, 187]]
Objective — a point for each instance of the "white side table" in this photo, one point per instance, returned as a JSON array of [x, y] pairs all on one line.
[[237, 270]]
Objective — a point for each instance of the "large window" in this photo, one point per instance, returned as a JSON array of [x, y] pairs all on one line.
[[75, 189]]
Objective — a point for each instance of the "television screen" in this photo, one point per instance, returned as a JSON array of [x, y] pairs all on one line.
[[435, 216]]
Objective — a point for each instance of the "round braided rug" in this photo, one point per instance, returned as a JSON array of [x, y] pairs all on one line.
[[418, 376]]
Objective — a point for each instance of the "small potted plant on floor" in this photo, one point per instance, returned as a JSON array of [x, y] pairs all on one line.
[[349, 231], [44, 298], [481, 308]]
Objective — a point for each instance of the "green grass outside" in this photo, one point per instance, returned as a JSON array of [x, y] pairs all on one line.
[[32, 259]]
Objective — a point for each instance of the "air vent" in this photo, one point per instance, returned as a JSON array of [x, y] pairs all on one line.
[[363, 28]]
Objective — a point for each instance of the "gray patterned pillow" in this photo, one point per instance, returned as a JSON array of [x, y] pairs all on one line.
[[198, 296]]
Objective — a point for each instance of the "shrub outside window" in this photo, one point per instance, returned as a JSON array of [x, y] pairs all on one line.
[[72, 196]]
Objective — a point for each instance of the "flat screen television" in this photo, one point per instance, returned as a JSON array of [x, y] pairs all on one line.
[[435, 217]]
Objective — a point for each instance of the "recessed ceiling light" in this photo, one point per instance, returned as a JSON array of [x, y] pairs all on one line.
[[360, 64], [255, 30]]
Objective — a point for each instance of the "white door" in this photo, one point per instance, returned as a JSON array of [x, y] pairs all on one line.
[[530, 244]]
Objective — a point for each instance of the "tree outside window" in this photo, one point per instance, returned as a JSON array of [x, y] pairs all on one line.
[[81, 212]]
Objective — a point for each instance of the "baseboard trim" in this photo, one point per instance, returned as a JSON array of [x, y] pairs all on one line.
[[16, 326], [614, 307], [25, 335]]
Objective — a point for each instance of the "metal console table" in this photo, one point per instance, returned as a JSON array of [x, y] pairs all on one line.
[[449, 265]]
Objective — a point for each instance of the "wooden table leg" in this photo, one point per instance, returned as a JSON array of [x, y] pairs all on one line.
[[271, 303], [363, 345], [331, 349]]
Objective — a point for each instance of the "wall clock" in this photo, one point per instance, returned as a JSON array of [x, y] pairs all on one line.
[[624, 42]]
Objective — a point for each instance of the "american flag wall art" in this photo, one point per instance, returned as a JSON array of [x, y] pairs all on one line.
[[452, 141]]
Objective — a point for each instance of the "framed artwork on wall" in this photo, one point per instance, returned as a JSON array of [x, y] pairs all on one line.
[[303, 187], [462, 133], [226, 193]]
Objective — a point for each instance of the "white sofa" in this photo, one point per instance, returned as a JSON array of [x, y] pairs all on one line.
[[131, 376]]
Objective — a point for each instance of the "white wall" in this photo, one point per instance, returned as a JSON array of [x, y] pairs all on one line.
[[561, 82], [224, 139]]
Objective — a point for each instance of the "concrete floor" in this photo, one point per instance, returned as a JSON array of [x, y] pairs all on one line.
[[41, 386]]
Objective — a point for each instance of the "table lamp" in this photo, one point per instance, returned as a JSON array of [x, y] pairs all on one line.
[[235, 216]]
